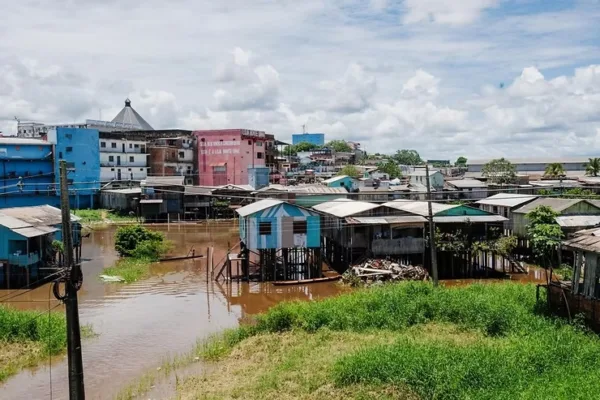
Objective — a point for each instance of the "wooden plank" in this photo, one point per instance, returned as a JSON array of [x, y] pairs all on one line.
[[305, 281], [180, 258]]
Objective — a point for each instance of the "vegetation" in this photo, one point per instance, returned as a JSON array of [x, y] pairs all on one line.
[[340, 146], [544, 233], [499, 171], [391, 168], [554, 170], [139, 247], [300, 147], [28, 337], [408, 157], [350, 170], [570, 193], [461, 162], [407, 340], [592, 168], [102, 216]]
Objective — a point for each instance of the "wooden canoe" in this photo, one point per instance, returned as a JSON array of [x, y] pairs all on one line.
[[305, 281], [180, 258]]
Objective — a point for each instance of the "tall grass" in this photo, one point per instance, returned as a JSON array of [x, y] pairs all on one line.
[[130, 269], [102, 215], [19, 326]]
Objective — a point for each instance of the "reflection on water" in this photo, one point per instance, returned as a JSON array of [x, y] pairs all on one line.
[[142, 323]]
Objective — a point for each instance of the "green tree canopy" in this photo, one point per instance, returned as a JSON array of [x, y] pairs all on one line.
[[544, 233], [554, 170], [499, 171], [391, 168], [302, 146], [592, 168], [351, 171], [339, 146], [461, 162], [408, 157]]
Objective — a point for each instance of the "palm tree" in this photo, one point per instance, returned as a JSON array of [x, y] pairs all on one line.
[[554, 170], [592, 168]]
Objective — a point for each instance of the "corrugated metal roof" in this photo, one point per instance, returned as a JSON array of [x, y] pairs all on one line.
[[163, 181], [529, 160], [418, 207], [343, 209], [507, 199], [257, 206], [336, 178], [573, 221], [390, 220], [129, 116], [469, 218], [467, 183], [12, 222], [123, 191], [37, 215], [197, 190], [585, 240], [22, 141], [556, 204], [318, 189], [151, 201], [30, 232]]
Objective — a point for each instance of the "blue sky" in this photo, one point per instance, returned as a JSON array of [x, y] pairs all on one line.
[[422, 74]]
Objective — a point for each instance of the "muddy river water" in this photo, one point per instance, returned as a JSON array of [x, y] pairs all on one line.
[[141, 324]]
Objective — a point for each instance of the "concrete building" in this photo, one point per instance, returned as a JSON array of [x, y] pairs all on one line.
[[122, 159], [574, 167], [225, 155], [34, 130], [173, 157], [418, 176], [317, 139], [468, 189]]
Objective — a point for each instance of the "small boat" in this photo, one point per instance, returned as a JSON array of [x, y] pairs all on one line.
[[188, 257], [305, 281]]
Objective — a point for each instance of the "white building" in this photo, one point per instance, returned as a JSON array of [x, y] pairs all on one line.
[[418, 177], [123, 160]]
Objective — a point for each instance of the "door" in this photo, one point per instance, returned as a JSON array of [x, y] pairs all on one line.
[[119, 161], [119, 174], [123, 147]]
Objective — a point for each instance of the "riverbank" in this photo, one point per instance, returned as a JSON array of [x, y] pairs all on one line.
[[485, 341], [103, 217], [27, 338]]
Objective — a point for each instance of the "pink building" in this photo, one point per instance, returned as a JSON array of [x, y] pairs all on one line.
[[224, 155]]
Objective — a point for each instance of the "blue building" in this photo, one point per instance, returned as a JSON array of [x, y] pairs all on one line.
[[26, 236], [80, 148], [284, 240], [258, 177], [343, 181], [27, 172], [313, 138]]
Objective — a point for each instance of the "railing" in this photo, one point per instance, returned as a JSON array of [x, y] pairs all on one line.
[[405, 245], [23, 260]]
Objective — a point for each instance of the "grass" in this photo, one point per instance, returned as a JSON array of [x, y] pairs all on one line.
[[28, 337], [405, 340], [130, 269], [102, 216]]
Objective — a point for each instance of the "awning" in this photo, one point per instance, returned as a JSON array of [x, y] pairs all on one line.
[[31, 231], [151, 201]]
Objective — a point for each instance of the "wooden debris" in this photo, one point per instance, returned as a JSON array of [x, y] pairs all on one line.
[[378, 270]]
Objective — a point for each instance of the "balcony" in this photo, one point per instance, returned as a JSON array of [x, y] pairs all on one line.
[[405, 245], [23, 260]]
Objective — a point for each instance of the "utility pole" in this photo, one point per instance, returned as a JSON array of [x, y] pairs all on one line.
[[73, 281], [434, 270]]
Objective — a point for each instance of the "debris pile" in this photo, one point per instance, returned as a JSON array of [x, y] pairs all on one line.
[[379, 270]]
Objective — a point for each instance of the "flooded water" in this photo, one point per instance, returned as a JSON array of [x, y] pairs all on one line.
[[140, 324]]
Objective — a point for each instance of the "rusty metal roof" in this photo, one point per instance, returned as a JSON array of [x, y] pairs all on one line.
[[556, 204], [585, 240], [37, 215]]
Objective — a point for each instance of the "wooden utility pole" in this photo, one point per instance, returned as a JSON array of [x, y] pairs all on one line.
[[73, 282], [434, 270]]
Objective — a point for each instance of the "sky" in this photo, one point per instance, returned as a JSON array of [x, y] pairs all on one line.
[[474, 78]]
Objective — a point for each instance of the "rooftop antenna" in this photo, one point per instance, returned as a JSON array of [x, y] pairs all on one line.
[[304, 128]]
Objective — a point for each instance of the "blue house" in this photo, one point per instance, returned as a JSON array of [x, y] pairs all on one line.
[[80, 148], [27, 172], [26, 236], [344, 181], [284, 240]]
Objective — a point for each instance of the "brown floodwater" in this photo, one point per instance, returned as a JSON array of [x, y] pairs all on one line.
[[141, 324]]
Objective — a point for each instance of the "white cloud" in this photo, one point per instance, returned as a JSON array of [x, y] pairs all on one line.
[[446, 12]]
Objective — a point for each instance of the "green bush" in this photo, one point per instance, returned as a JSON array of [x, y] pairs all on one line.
[[19, 326], [151, 249], [128, 238]]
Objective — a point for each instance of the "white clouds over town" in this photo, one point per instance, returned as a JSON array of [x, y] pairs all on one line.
[[475, 77]]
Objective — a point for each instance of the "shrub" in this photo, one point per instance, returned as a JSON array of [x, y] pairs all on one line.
[[127, 238], [150, 249]]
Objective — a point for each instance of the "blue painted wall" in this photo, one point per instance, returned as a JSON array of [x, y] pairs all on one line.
[[258, 177], [346, 182], [32, 161], [314, 138], [81, 149]]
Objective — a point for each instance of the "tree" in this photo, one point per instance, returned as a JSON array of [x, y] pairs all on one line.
[[499, 171], [544, 233], [408, 157], [339, 146], [554, 170], [592, 168], [128, 238], [350, 170], [295, 148], [461, 162], [391, 168]]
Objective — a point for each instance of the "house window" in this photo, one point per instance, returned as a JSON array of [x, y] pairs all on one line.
[[130, 145], [181, 154], [103, 144], [113, 145], [300, 227], [506, 212], [259, 155], [249, 142], [131, 159], [495, 209], [264, 228], [112, 169], [258, 144], [136, 146], [69, 149], [128, 169], [111, 158], [141, 169], [59, 153]]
